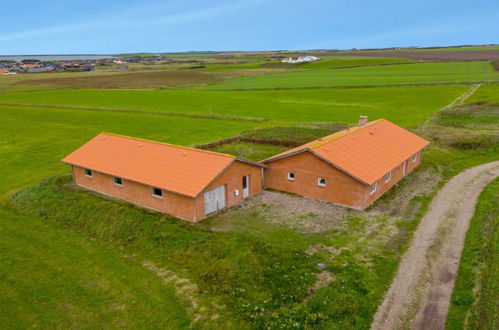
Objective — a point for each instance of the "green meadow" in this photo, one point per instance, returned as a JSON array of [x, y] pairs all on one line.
[[72, 259], [403, 74], [406, 106]]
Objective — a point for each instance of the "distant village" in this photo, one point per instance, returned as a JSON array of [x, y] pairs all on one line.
[[11, 67]]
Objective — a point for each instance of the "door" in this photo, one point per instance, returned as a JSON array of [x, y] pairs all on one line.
[[405, 167], [214, 200], [246, 186]]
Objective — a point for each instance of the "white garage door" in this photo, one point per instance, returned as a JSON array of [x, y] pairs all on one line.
[[214, 200]]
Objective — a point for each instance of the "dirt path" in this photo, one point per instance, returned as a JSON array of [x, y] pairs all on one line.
[[463, 97], [420, 293]]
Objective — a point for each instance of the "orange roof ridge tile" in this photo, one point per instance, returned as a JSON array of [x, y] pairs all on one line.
[[341, 134]]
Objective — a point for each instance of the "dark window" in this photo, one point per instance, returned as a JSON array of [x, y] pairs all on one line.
[[88, 172], [321, 182], [157, 192], [117, 180], [291, 176]]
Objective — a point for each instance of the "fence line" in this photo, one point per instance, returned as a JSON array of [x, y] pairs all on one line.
[[275, 142]]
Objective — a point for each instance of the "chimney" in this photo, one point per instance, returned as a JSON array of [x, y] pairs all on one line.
[[362, 120]]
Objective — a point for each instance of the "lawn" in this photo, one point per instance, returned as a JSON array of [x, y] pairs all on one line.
[[407, 106], [474, 303], [403, 74]]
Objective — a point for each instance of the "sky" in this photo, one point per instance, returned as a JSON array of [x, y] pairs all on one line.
[[126, 26]]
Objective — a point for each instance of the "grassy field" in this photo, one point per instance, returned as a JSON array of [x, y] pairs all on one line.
[[406, 106], [53, 278], [33, 140], [486, 93], [71, 259], [421, 73], [326, 62], [474, 303]]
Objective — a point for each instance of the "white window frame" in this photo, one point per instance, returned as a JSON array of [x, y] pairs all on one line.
[[291, 176], [157, 196], [91, 175], [388, 177], [414, 157], [321, 184], [116, 183], [375, 188]]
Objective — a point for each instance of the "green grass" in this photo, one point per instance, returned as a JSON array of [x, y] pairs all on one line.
[[250, 151], [332, 62], [62, 263], [33, 140], [407, 106], [53, 278], [474, 303], [421, 73], [486, 93], [266, 276]]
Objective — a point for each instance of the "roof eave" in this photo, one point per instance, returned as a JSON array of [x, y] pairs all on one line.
[[165, 189]]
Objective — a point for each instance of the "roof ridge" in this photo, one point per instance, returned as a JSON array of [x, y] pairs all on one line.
[[169, 144], [343, 133]]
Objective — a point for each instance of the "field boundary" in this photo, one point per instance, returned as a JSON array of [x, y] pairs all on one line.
[[348, 86], [234, 139], [151, 112]]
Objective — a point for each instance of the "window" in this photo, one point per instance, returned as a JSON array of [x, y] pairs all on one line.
[[88, 173], [117, 181], [373, 187], [157, 192], [388, 177], [321, 182], [291, 176], [414, 157]]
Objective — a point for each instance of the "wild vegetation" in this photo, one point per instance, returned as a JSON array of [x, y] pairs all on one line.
[[74, 259], [474, 302]]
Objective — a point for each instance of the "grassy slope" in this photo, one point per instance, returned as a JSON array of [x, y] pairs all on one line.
[[421, 73], [50, 278], [474, 303], [406, 106]]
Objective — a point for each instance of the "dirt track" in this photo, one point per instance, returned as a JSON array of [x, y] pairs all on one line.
[[420, 293]]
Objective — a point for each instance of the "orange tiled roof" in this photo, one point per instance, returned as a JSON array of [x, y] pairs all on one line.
[[183, 170], [365, 152]]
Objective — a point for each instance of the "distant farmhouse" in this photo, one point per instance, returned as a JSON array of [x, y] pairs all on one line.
[[300, 59], [353, 168]]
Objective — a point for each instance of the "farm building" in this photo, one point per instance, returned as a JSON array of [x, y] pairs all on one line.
[[300, 59], [353, 167], [185, 182]]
